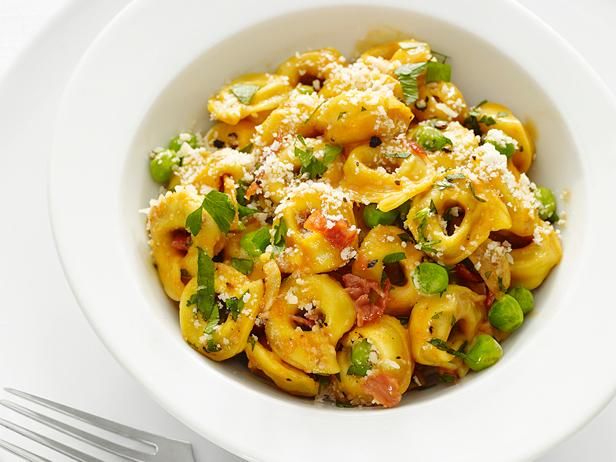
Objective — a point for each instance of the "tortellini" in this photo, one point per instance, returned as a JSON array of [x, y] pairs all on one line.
[[306, 321], [389, 355], [250, 95], [481, 212], [229, 337], [357, 115], [352, 228], [440, 100], [309, 250], [285, 377], [496, 116], [368, 181], [310, 66], [532, 263], [378, 243], [453, 317], [174, 250]]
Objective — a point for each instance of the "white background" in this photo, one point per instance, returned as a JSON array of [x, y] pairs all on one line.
[[46, 346]]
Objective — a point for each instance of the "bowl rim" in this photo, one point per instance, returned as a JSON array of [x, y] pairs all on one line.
[[86, 284]]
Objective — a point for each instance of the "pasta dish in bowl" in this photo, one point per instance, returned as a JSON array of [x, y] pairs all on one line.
[[353, 228], [332, 225]]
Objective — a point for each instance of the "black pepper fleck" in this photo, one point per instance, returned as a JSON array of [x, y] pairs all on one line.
[[375, 141]]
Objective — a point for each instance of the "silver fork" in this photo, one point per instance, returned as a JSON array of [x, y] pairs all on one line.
[[163, 449]]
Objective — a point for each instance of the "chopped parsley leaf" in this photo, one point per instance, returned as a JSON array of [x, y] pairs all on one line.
[[311, 165], [235, 306], [243, 265], [398, 155], [280, 233], [204, 297], [193, 221], [438, 72], [220, 208], [393, 257], [314, 112], [244, 92], [248, 148], [407, 76], [472, 188], [443, 346]]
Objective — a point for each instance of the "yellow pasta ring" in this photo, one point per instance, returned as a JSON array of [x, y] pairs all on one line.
[[312, 351], [435, 316], [286, 377], [231, 336], [367, 182], [392, 356]]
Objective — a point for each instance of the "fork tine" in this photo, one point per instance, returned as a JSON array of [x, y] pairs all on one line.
[[25, 455], [55, 445], [109, 446], [100, 422]]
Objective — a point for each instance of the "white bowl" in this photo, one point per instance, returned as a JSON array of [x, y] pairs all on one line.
[[149, 75]]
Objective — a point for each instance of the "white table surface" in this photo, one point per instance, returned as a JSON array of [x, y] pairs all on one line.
[[46, 346]]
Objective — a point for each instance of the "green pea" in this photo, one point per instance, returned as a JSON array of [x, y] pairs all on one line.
[[431, 139], [430, 278], [374, 216], [483, 353], [255, 242], [360, 358], [525, 298], [177, 141], [162, 165], [506, 314], [547, 202]]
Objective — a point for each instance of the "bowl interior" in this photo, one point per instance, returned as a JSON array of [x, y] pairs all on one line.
[[479, 69]]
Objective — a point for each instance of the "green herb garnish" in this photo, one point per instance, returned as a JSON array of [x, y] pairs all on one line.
[[398, 155], [248, 148], [506, 149], [244, 92], [235, 306], [407, 76], [204, 297], [311, 165], [421, 217], [243, 265], [440, 57], [444, 346], [393, 257], [475, 117], [431, 138], [280, 233], [193, 221], [472, 188], [255, 242], [438, 72], [314, 112], [244, 211], [220, 208], [447, 182]]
